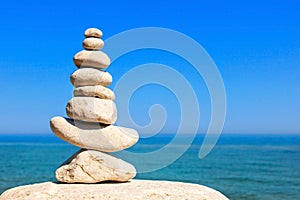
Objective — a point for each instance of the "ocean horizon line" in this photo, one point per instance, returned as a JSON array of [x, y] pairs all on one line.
[[162, 134], [227, 139]]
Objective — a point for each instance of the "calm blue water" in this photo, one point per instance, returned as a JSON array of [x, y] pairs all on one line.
[[240, 166]]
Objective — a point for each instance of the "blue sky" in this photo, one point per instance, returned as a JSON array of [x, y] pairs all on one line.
[[255, 44]]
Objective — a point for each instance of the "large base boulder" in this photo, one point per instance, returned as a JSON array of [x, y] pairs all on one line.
[[133, 190]]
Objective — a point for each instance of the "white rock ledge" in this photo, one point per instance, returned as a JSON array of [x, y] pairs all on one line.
[[133, 190]]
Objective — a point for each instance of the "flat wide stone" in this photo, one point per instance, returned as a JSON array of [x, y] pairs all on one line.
[[133, 190], [94, 135], [90, 77], [89, 166], [91, 109]]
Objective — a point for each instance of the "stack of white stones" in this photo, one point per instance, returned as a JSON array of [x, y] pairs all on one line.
[[92, 112]]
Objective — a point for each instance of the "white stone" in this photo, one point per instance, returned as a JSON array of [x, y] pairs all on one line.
[[90, 77], [92, 110], [94, 91], [96, 59], [94, 135], [88, 166], [93, 32], [92, 44], [133, 190]]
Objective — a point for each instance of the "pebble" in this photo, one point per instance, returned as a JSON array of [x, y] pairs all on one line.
[[94, 91], [92, 44], [93, 32], [91, 109], [94, 59], [90, 77]]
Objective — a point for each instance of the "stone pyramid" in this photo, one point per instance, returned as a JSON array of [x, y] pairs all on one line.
[[92, 113]]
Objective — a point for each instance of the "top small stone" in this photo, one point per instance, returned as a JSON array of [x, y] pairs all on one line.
[[93, 32]]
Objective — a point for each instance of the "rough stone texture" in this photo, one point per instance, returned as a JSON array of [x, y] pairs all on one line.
[[90, 77], [133, 190], [96, 59], [92, 44], [94, 91], [92, 110], [94, 135], [88, 166], [93, 32]]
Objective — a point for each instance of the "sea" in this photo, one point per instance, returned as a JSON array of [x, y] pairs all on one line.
[[241, 166]]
